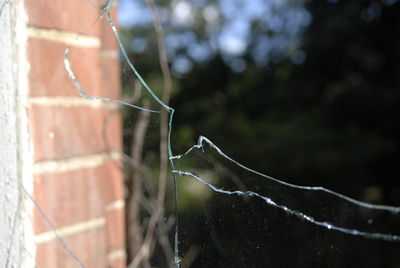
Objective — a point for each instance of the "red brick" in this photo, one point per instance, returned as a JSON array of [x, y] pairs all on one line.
[[68, 15], [48, 77], [115, 229], [110, 77], [113, 189], [89, 247], [75, 196], [108, 39], [117, 263], [63, 132], [113, 130]]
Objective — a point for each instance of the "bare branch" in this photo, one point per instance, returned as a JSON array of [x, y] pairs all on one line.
[[145, 251]]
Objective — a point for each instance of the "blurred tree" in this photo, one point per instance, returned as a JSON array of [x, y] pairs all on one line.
[[308, 93]]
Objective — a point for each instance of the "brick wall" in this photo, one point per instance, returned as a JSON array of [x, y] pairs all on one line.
[[77, 178]]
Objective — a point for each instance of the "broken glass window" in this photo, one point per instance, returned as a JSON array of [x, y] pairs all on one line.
[[226, 213]]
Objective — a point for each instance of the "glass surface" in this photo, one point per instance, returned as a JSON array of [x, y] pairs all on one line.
[[304, 91]]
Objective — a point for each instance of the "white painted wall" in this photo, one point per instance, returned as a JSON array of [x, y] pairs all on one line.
[[10, 237]]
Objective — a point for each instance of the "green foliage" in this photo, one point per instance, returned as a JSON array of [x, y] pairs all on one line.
[[331, 121]]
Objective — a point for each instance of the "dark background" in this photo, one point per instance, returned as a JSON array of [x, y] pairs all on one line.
[[330, 120]]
